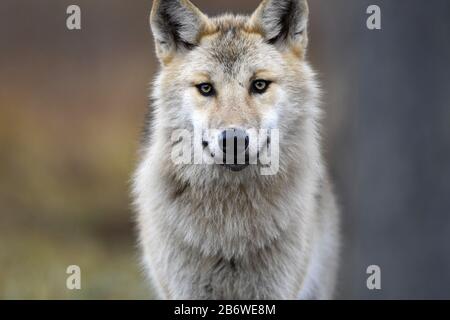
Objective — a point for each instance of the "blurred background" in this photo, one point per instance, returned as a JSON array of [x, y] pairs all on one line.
[[71, 110]]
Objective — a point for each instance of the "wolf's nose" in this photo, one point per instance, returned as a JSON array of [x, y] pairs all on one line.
[[234, 141]]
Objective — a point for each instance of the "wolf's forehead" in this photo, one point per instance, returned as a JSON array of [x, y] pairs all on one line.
[[232, 51], [232, 46]]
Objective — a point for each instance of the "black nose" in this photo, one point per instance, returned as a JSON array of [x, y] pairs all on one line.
[[234, 144], [234, 141]]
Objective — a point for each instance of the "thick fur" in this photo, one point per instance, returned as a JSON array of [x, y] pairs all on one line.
[[207, 232]]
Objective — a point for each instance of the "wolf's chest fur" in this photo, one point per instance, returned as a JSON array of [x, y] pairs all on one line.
[[238, 243], [252, 240], [233, 220]]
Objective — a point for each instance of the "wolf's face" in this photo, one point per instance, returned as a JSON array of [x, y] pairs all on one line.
[[234, 79]]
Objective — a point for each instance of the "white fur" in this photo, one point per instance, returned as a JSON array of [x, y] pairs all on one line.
[[207, 232]]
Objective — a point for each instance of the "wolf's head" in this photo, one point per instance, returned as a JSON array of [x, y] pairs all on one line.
[[231, 76]]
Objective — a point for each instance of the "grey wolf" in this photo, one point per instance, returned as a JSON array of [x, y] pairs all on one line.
[[214, 231]]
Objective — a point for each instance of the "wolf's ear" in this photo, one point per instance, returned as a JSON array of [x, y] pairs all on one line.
[[283, 22], [176, 25]]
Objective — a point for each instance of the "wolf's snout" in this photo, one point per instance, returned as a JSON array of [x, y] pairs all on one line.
[[234, 143]]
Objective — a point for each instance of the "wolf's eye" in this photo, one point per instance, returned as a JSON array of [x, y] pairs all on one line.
[[205, 89], [260, 86]]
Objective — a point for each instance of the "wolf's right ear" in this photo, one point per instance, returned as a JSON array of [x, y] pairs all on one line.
[[176, 25], [283, 23]]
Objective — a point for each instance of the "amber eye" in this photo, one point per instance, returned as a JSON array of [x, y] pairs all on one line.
[[205, 89], [260, 86]]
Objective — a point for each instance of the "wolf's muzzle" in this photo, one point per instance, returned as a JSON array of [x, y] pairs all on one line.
[[234, 144]]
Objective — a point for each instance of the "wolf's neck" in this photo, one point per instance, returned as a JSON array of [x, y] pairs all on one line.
[[231, 220]]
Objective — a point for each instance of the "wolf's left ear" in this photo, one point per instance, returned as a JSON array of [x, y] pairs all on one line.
[[283, 22], [176, 26]]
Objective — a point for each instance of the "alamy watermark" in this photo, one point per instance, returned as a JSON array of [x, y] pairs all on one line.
[[374, 20], [73, 281], [233, 148], [73, 21], [374, 280]]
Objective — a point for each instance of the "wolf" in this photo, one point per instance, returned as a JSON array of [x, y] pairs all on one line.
[[226, 231]]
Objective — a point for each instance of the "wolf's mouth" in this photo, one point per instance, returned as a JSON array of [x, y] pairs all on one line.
[[235, 167]]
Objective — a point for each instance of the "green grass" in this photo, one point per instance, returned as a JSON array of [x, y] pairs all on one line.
[[64, 200], [33, 266]]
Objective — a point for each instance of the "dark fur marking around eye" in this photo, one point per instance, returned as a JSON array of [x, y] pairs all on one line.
[[254, 86]]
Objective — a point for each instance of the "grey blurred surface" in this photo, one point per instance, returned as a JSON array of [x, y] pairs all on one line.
[[387, 140], [389, 144]]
